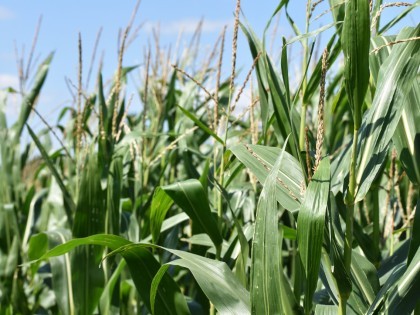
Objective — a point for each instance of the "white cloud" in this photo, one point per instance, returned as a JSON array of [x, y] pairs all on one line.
[[186, 26], [8, 80], [6, 14]]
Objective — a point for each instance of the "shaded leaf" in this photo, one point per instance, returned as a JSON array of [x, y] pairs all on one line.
[[189, 195]]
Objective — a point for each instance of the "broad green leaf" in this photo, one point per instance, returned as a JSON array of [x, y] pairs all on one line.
[[355, 40], [88, 279], [311, 222], [407, 135], [60, 267], [364, 274], [376, 60], [143, 267], [189, 195], [265, 290], [215, 278], [395, 80], [217, 281], [290, 179], [161, 203]]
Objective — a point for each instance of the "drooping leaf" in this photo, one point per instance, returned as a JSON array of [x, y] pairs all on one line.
[[200, 124], [218, 283], [189, 195], [215, 278], [143, 267], [290, 179], [69, 205]]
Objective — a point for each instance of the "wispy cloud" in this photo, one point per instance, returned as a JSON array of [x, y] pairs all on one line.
[[6, 14], [186, 26], [8, 80]]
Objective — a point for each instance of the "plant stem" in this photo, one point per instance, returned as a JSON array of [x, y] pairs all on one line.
[[350, 200]]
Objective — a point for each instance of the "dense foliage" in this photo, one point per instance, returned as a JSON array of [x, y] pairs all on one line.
[[304, 204]]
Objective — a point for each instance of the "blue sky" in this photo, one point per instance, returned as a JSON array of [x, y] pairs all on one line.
[[63, 20]]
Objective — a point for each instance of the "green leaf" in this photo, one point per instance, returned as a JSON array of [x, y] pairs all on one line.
[[326, 309], [143, 267], [312, 33], [311, 222], [88, 279], [105, 302], [403, 297], [200, 124], [3, 120], [189, 195], [114, 190], [266, 296], [272, 94], [69, 205], [355, 40], [395, 80], [60, 267], [364, 274], [29, 100], [395, 275], [398, 18], [161, 203], [415, 239], [217, 281], [215, 278], [407, 135], [290, 179]]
